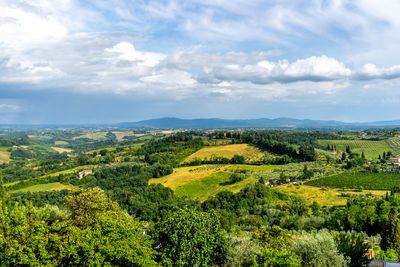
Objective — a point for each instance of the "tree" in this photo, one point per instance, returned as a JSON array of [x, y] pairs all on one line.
[[391, 236], [352, 245], [363, 155], [318, 249], [87, 205], [190, 238], [276, 258], [274, 238], [348, 150], [343, 156]]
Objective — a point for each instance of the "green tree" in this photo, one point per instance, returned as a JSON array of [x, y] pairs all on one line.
[[318, 250], [276, 258], [352, 245], [190, 238], [391, 236], [273, 238]]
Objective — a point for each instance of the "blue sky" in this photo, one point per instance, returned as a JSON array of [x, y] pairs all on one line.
[[67, 61]]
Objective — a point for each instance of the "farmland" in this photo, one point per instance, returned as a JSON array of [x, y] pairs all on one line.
[[371, 181], [372, 149], [207, 180], [228, 151], [4, 156], [394, 144], [324, 197], [44, 187]]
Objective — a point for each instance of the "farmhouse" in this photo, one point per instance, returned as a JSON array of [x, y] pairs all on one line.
[[84, 173], [394, 160], [273, 181]]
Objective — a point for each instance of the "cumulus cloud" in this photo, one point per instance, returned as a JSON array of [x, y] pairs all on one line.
[[314, 69], [371, 71]]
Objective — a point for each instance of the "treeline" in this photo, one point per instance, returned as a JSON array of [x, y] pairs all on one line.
[[15, 141], [273, 144]]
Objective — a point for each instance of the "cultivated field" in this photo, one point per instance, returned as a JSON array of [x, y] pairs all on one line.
[[394, 144], [324, 197], [371, 181], [200, 182], [4, 156], [98, 136], [250, 153], [61, 150], [44, 187], [60, 143], [371, 149]]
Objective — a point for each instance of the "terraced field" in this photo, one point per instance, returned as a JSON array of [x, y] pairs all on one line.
[[371, 181], [200, 182], [250, 153], [371, 149]]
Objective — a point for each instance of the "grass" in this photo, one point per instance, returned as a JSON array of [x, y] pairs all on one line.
[[201, 182], [251, 153], [371, 149], [328, 197], [61, 150], [121, 134], [97, 136], [4, 148], [4, 156], [371, 181], [44, 187], [60, 143]]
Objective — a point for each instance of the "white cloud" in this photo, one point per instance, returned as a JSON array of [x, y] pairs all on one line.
[[9, 108], [371, 71], [127, 52], [263, 72]]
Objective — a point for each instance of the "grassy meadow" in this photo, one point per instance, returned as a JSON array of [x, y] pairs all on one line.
[[200, 182], [324, 197], [250, 153], [371, 149], [44, 187]]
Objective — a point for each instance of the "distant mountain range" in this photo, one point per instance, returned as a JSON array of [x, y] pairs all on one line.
[[176, 123]]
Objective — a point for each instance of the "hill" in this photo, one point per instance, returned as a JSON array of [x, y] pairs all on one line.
[[176, 123]]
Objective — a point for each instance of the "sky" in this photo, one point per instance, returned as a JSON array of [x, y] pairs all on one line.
[[90, 61]]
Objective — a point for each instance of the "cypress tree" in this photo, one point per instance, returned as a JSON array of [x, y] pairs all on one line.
[[391, 237]]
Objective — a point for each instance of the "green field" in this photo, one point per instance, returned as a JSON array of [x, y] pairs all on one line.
[[329, 197], [371, 181], [44, 187], [250, 153], [371, 149], [200, 182]]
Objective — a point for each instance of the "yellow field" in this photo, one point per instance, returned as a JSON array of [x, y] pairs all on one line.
[[122, 134], [58, 143], [329, 197], [201, 182], [250, 153], [61, 150], [4, 156], [95, 136], [44, 187]]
